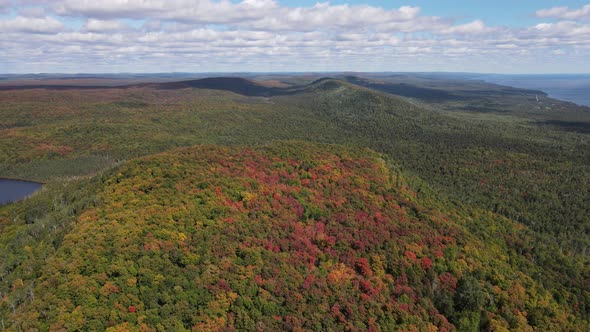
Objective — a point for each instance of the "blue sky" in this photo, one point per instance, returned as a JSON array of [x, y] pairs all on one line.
[[517, 36]]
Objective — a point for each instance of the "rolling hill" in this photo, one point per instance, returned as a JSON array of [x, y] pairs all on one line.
[[289, 236], [506, 174]]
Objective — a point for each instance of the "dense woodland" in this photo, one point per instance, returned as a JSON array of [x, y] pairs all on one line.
[[472, 214]]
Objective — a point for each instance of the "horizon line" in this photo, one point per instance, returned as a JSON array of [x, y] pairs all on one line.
[[289, 72]]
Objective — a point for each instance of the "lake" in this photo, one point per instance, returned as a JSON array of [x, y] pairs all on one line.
[[14, 190], [573, 88]]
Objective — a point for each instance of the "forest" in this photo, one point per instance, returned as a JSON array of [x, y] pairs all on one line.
[[345, 203]]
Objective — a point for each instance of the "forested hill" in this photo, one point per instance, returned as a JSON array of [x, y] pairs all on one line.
[[505, 169], [288, 236]]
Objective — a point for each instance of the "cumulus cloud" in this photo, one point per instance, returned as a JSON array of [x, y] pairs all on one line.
[[196, 11], [109, 8], [256, 14], [563, 28], [210, 35], [565, 13], [94, 25], [45, 25], [477, 27]]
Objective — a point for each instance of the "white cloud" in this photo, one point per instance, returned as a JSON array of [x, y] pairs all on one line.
[[109, 8], [209, 35], [473, 28], [565, 13], [94, 25], [196, 11], [46, 25], [256, 14], [326, 16], [564, 29]]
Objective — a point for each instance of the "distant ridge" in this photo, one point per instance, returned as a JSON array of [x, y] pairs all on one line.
[[253, 88], [54, 87], [430, 94], [237, 85], [403, 89], [234, 84]]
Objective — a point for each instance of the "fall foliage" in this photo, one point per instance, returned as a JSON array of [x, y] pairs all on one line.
[[289, 236]]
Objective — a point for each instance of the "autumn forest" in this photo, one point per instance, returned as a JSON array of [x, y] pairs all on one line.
[[294, 203]]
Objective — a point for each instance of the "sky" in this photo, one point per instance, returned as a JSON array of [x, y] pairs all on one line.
[[150, 36]]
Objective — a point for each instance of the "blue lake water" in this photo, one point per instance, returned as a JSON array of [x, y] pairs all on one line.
[[14, 190], [573, 88]]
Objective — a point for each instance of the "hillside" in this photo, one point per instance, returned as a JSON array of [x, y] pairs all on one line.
[[529, 164], [289, 236], [506, 164], [513, 172]]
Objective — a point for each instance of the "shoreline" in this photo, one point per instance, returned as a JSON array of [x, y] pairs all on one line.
[[24, 180], [553, 92]]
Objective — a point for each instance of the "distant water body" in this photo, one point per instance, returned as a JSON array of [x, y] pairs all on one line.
[[573, 88], [14, 190]]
